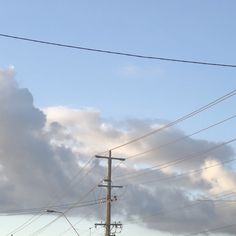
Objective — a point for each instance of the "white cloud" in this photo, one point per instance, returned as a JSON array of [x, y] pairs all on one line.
[[220, 178]]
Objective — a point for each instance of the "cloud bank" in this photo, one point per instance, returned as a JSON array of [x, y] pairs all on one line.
[[42, 150]]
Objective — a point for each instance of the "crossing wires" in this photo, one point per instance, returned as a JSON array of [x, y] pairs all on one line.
[[181, 119], [41, 212]]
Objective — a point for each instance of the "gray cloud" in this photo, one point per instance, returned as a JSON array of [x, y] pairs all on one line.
[[31, 167], [41, 151]]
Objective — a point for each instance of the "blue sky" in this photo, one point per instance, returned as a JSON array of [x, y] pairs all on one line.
[[199, 30], [122, 88]]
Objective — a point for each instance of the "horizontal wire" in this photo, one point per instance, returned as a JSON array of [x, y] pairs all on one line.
[[205, 63], [84, 218], [36, 210]]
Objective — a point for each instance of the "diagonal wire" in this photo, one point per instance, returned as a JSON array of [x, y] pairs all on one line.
[[180, 160], [42, 212], [181, 138], [205, 232], [183, 118], [170, 143]]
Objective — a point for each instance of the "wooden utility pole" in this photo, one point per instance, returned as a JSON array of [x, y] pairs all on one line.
[[108, 180]]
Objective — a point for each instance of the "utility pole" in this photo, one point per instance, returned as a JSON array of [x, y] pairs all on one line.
[[108, 180]]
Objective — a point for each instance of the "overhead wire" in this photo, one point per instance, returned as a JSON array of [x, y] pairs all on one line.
[[119, 53], [179, 208], [39, 214], [179, 160], [227, 161], [68, 229], [212, 230], [183, 118], [219, 200], [231, 140], [214, 102], [98, 50], [111, 200], [181, 138], [187, 206], [123, 54], [64, 212], [25, 224], [188, 172], [62, 206], [170, 143], [59, 216], [191, 172]]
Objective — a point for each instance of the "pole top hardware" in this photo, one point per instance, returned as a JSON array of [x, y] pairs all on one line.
[[113, 158]]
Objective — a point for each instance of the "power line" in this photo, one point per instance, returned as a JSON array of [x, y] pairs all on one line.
[[184, 207], [177, 161], [58, 217], [189, 172], [194, 171], [69, 209], [112, 200], [34, 218], [185, 174], [165, 165], [119, 53], [181, 138], [183, 118], [39, 214], [180, 208], [173, 142], [180, 160], [25, 224], [211, 230], [36, 210]]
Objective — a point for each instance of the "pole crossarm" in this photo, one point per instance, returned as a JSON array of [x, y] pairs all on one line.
[[112, 186], [113, 158], [112, 224]]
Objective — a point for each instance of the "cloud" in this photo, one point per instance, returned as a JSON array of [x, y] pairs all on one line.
[[29, 164], [134, 71], [169, 204], [42, 150], [226, 180]]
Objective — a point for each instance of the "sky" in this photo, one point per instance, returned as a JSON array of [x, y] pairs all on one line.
[[59, 107]]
